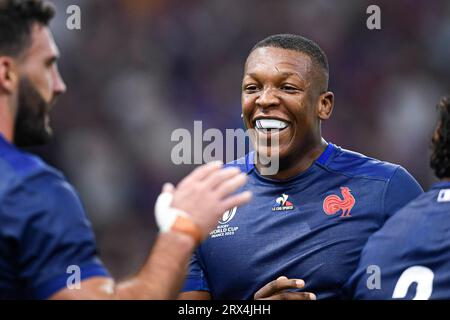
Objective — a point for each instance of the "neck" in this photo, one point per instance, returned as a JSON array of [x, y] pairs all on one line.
[[6, 120], [300, 164], [445, 180]]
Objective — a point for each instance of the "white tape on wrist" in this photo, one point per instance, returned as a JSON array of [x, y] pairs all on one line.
[[168, 218], [165, 215]]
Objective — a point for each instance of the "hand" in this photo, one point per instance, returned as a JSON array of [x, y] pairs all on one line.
[[206, 194], [276, 290]]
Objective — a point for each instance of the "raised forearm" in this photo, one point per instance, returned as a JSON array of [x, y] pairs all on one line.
[[163, 274]]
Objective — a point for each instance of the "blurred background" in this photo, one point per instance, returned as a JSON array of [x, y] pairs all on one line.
[[138, 69]]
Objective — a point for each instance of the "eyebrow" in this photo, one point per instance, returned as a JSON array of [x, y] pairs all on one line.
[[283, 74]]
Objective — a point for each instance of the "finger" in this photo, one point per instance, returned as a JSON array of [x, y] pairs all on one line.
[[236, 200], [278, 285], [231, 185], [202, 172], [291, 296], [218, 177], [168, 187]]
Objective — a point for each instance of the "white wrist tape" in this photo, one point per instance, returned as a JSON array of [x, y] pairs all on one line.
[[172, 219], [165, 214]]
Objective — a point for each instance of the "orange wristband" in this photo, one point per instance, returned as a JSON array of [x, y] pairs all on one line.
[[186, 225]]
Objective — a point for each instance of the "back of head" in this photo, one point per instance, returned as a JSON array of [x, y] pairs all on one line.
[[440, 158], [16, 20]]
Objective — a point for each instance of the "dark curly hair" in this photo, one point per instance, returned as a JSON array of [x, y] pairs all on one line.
[[440, 144], [16, 20]]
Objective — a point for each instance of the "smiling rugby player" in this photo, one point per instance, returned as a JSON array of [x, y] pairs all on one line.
[[304, 230]]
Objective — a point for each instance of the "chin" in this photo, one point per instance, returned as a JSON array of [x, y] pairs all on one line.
[[271, 153]]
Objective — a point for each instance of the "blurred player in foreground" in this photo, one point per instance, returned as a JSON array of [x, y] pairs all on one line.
[[307, 224], [43, 227], [409, 258]]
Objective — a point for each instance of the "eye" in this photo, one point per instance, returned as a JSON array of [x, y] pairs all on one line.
[[250, 88], [289, 88], [49, 63]]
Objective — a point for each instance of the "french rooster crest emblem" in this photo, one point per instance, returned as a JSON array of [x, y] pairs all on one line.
[[334, 204]]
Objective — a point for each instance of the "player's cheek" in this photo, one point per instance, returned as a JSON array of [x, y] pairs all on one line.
[[247, 110]]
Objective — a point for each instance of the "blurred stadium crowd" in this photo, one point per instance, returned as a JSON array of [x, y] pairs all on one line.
[[138, 69]]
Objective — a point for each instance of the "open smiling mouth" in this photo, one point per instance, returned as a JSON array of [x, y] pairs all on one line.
[[270, 125]]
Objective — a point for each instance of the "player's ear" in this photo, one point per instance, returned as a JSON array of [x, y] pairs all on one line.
[[326, 104], [8, 75]]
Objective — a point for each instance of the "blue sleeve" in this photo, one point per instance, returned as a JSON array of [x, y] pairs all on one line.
[[49, 231], [195, 279], [401, 190]]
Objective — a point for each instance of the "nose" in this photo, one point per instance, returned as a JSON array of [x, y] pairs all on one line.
[[59, 85], [268, 98]]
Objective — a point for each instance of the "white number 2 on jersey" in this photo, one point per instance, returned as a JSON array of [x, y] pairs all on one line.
[[423, 276]]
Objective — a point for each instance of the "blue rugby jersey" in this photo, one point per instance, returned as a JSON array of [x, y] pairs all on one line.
[[43, 229], [312, 226], [410, 254]]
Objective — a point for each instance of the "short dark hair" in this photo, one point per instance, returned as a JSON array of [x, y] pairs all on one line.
[[440, 157], [297, 43], [16, 19]]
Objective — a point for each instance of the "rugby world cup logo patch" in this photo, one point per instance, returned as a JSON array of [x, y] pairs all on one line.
[[228, 215], [224, 229]]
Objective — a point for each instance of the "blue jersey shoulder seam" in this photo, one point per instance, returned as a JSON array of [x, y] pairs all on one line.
[[346, 174], [385, 194]]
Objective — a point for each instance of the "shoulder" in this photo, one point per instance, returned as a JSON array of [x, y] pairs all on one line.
[[421, 222], [429, 207], [410, 235], [398, 186], [29, 185], [355, 164], [39, 204], [17, 166]]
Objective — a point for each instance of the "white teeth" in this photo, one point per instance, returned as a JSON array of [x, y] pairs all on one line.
[[270, 124]]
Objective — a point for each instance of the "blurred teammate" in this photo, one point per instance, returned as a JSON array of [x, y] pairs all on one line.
[[44, 234], [409, 258], [309, 222]]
